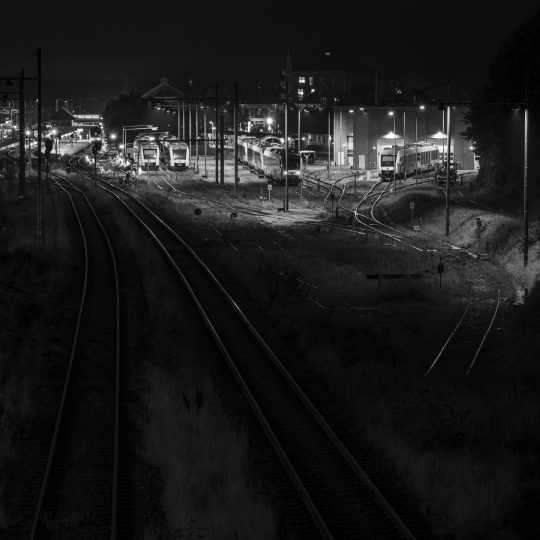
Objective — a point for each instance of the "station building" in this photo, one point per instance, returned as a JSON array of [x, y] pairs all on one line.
[[362, 112], [360, 133]]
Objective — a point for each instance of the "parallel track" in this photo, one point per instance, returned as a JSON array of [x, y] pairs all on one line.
[[79, 484], [330, 495]]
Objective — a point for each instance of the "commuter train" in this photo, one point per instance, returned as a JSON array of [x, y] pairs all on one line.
[[147, 150], [266, 156], [421, 157], [175, 153]]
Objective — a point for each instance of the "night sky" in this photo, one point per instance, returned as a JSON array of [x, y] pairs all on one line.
[[237, 42]]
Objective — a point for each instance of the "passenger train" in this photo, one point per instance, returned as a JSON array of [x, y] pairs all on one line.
[[174, 152], [414, 157], [147, 150], [266, 156]]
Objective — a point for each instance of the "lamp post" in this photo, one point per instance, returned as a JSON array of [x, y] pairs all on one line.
[[448, 172], [525, 200], [235, 136], [286, 146], [329, 140], [205, 175], [422, 107], [393, 114], [299, 149]]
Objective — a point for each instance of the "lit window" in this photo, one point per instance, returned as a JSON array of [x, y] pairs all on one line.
[[311, 81], [300, 92], [301, 80]]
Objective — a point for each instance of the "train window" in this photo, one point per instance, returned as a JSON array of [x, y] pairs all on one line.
[[387, 159], [311, 81], [300, 92]]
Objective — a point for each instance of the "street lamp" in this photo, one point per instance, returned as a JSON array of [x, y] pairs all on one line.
[[391, 113], [421, 107]]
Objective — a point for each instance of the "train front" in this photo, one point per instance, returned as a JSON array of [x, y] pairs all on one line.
[[180, 155], [294, 169], [387, 164], [150, 155]]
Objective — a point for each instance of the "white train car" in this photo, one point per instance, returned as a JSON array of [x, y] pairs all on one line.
[[279, 171], [251, 151], [421, 157], [147, 152], [175, 153]]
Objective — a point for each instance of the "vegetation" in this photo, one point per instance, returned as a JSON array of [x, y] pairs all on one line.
[[124, 111], [494, 123]]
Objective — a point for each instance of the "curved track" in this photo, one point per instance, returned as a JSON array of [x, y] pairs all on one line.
[[79, 484]]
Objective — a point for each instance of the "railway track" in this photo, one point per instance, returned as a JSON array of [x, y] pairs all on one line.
[[468, 337], [328, 494], [78, 494], [480, 309]]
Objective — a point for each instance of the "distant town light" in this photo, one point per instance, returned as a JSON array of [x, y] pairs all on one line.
[[269, 120]]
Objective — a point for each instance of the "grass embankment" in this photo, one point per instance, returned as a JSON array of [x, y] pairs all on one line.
[[29, 280], [208, 485], [466, 447]]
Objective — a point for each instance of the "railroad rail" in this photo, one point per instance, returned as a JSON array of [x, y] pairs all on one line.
[[81, 471], [331, 496]]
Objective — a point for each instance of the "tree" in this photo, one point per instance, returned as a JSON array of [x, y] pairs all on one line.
[[494, 124], [126, 110]]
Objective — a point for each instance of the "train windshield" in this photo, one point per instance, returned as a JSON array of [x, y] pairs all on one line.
[[179, 152], [387, 160], [149, 152]]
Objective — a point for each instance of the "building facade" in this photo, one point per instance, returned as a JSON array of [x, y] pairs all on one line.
[[360, 133]]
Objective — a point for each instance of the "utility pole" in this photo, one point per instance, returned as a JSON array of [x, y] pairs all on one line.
[[205, 131], [178, 119], [183, 120], [40, 232], [286, 147], [22, 144], [404, 144], [197, 139], [235, 142], [416, 146], [189, 134], [448, 172], [328, 162], [222, 145], [395, 150], [299, 149], [448, 142], [525, 174], [216, 138]]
